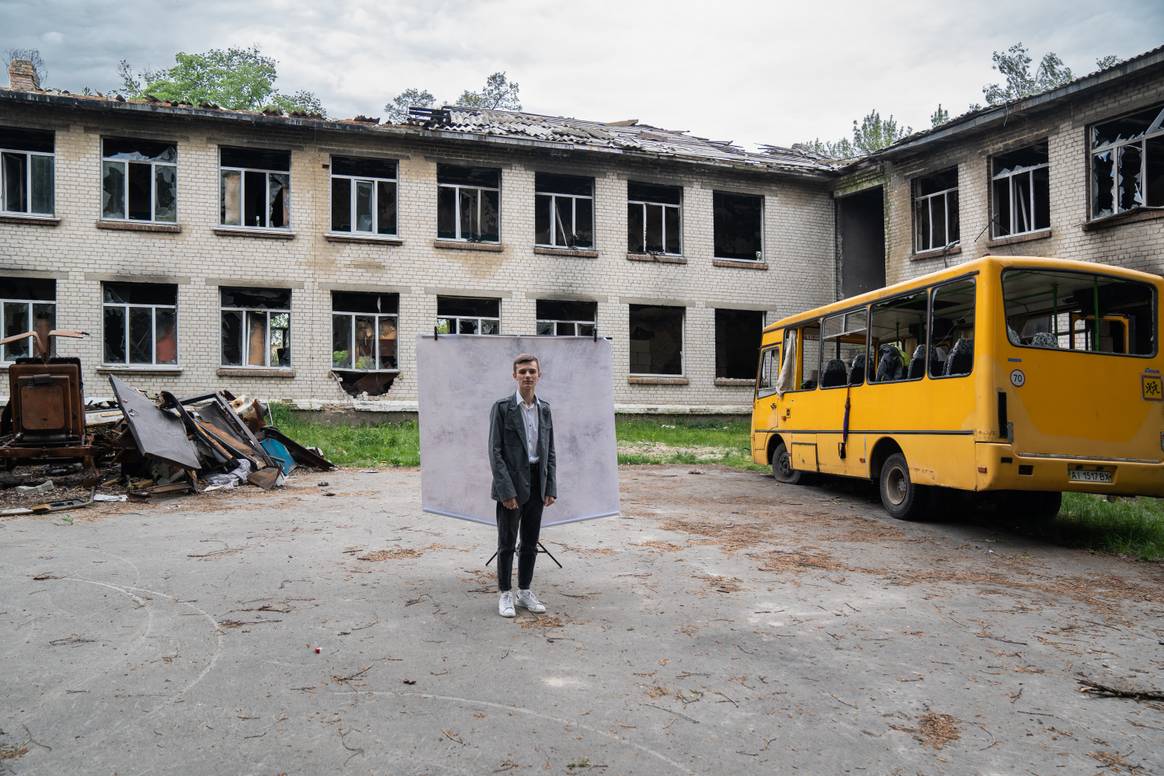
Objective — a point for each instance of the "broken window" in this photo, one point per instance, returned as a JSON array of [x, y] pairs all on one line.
[[935, 211], [801, 344], [766, 374], [363, 195], [653, 218], [566, 319], [363, 331], [139, 180], [468, 203], [656, 340], [256, 188], [843, 349], [563, 211], [1127, 163], [26, 304], [737, 342], [140, 323], [952, 329], [897, 338], [1020, 191], [26, 171], [464, 315], [256, 327], [738, 226]]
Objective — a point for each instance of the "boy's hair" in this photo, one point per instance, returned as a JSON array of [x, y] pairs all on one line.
[[523, 358]]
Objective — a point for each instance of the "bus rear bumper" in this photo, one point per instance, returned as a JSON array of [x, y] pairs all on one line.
[[1000, 468]]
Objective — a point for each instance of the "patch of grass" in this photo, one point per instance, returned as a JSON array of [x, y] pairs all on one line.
[[384, 444], [686, 441], [1133, 527]]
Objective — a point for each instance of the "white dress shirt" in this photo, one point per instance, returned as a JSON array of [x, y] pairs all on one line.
[[529, 414]]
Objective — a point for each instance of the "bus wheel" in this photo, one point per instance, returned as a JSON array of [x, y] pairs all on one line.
[[782, 466], [1039, 506], [900, 497]]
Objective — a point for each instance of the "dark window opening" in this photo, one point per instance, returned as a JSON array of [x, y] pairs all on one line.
[[364, 338], [935, 211], [737, 342], [140, 323], [1020, 191], [256, 327], [656, 340], [363, 195], [738, 226], [563, 211], [468, 203], [26, 304], [653, 218], [565, 318], [255, 188], [26, 171], [467, 315], [1127, 163]]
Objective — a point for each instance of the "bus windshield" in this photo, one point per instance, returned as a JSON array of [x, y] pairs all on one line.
[[1061, 310]]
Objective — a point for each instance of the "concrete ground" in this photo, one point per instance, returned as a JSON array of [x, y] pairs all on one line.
[[724, 624]]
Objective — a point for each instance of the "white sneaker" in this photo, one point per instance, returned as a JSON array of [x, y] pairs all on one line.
[[505, 605], [527, 600]]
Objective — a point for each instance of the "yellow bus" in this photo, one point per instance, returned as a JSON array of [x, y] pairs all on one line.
[[1016, 375]]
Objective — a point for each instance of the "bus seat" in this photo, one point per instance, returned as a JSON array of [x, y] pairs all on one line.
[[1013, 336], [835, 373], [1044, 339], [857, 370], [961, 358], [889, 366], [917, 364]]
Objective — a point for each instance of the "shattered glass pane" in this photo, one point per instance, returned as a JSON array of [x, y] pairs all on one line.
[[341, 205], [166, 196], [1102, 183], [1021, 188], [386, 207], [1131, 191], [671, 230], [563, 221], [364, 194], [257, 338], [584, 223], [254, 199], [634, 228], [490, 216], [112, 190], [114, 335], [15, 322], [444, 325], [387, 342], [232, 338], [365, 342], [140, 187], [15, 191], [543, 204], [655, 228], [135, 150], [467, 326], [166, 343], [545, 328], [141, 335], [231, 192], [1000, 204], [42, 184], [446, 213], [490, 327], [1124, 128], [341, 341], [280, 200], [469, 221], [281, 339]]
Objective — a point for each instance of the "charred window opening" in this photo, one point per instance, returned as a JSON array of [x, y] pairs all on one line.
[[139, 180], [656, 340], [563, 211], [737, 342], [1127, 163], [364, 341], [26, 304], [256, 327], [140, 323], [738, 226], [465, 315], [363, 195], [566, 319], [1020, 191], [654, 218], [468, 203], [935, 211], [256, 188], [26, 171]]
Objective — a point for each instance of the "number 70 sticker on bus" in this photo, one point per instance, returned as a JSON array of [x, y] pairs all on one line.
[[1152, 386]]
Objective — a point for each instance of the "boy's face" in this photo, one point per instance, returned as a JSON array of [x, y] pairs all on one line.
[[526, 374]]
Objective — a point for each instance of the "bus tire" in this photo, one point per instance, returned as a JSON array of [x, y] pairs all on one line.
[[1039, 506], [782, 466], [900, 497]]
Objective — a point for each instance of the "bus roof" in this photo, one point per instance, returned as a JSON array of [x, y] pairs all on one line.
[[956, 271]]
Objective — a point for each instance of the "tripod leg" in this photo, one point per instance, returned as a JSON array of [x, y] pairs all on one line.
[[542, 548], [491, 557]]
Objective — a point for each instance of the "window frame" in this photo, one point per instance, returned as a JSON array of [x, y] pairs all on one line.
[[844, 316], [242, 198], [29, 305], [1009, 177], [1114, 148], [798, 355], [153, 308], [915, 198], [245, 344], [124, 163], [763, 252], [576, 323], [28, 155], [354, 180], [554, 197], [647, 203], [870, 356], [352, 341], [682, 341], [933, 290], [773, 368], [457, 188], [478, 318]]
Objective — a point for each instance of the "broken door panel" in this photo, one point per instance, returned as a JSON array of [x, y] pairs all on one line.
[[158, 434]]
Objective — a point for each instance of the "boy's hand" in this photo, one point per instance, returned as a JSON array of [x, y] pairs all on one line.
[[550, 501], [509, 503]]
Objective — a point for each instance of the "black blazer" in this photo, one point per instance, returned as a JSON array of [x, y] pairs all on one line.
[[508, 457]]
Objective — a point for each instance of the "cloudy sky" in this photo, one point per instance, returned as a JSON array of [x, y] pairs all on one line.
[[753, 72]]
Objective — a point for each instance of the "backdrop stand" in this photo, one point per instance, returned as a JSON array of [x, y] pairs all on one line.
[[541, 548]]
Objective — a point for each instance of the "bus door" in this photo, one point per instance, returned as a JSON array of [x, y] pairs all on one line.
[[798, 408], [842, 371], [765, 404]]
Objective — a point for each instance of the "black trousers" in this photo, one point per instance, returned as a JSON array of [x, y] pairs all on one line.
[[526, 520]]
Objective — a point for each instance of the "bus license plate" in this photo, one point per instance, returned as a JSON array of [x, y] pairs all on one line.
[[1089, 475]]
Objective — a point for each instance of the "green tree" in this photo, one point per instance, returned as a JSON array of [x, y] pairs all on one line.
[[875, 133], [1111, 60], [234, 78], [939, 117], [397, 107], [1015, 66], [499, 93]]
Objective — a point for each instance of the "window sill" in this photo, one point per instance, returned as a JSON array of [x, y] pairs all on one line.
[[463, 245], [254, 371], [141, 369], [349, 370], [740, 263], [242, 231], [741, 382], [16, 218], [344, 237], [571, 253], [998, 242], [1130, 217], [657, 258], [937, 253], [138, 226], [656, 380]]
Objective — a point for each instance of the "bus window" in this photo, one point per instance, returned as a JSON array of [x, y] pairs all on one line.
[[766, 376], [843, 350], [1079, 311], [804, 342], [952, 329], [897, 339]]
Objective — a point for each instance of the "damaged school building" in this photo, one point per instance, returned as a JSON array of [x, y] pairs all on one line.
[[297, 258]]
